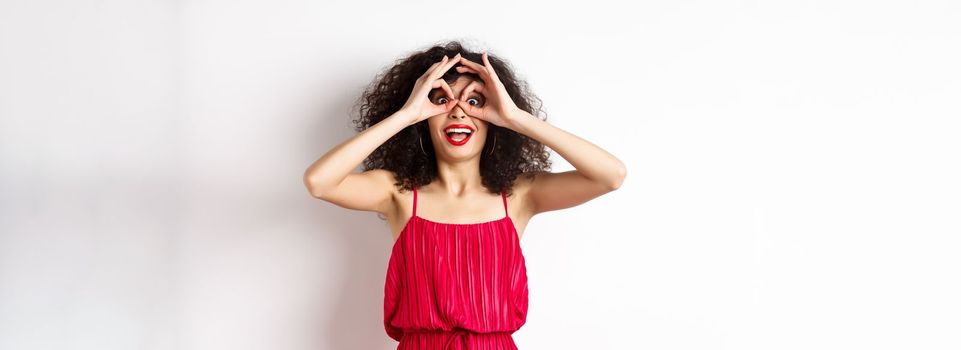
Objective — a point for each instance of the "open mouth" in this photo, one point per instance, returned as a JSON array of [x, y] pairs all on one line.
[[458, 134]]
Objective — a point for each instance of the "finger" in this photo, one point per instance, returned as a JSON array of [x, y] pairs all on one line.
[[441, 83], [468, 108], [475, 68], [474, 85], [462, 69], [444, 108], [453, 61], [429, 70], [445, 66], [433, 68], [438, 64], [483, 87], [487, 64], [473, 65]]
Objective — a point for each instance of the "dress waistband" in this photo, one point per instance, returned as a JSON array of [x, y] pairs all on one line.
[[463, 335]]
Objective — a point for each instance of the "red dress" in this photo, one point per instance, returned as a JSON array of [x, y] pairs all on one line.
[[455, 286]]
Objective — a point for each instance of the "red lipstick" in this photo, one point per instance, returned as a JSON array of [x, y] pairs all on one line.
[[455, 142]]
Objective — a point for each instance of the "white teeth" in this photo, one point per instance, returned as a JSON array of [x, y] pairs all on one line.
[[463, 130]]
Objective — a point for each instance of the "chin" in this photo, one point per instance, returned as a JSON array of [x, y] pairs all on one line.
[[467, 150]]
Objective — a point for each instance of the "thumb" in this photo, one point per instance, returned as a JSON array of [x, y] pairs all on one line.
[[467, 107]]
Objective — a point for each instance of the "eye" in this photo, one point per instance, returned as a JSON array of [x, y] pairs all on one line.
[[473, 101], [441, 100]]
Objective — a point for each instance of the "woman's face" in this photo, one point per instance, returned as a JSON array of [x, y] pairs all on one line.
[[457, 145]]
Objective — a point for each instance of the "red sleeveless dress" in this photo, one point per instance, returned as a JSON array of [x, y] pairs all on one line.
[[455, 286]]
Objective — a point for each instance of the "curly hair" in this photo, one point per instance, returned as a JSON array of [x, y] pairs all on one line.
[[514, 153]]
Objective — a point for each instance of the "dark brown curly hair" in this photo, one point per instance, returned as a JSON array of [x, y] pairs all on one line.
[[514, 153]]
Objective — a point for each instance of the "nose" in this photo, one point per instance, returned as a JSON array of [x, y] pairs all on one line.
[[457, 113]]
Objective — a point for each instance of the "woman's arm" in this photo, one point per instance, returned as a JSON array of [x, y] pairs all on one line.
[[598, 171], [591, 161], [330, 178]]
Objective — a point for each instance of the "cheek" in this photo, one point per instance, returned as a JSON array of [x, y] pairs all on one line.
[[481, 122], [435, 124]]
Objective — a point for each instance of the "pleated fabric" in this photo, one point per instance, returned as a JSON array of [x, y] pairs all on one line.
[[456, 286]]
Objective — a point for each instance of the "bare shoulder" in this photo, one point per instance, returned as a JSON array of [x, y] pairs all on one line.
[[521, 200], [388, 185]]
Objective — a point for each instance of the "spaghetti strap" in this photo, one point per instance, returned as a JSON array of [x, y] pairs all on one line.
[[505, 204], [415, 202]]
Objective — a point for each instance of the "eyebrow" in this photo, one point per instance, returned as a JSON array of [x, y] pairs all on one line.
[[433, 93]]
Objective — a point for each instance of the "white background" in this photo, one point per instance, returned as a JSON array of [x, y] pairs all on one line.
[[792, 178]]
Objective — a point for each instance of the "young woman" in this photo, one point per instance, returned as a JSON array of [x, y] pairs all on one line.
[[456, 161]]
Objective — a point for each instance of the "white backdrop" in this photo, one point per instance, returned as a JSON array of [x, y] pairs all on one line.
[[792, 177]]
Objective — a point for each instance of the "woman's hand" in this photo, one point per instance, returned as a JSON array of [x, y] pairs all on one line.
[[418, 106], [499, 108]]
